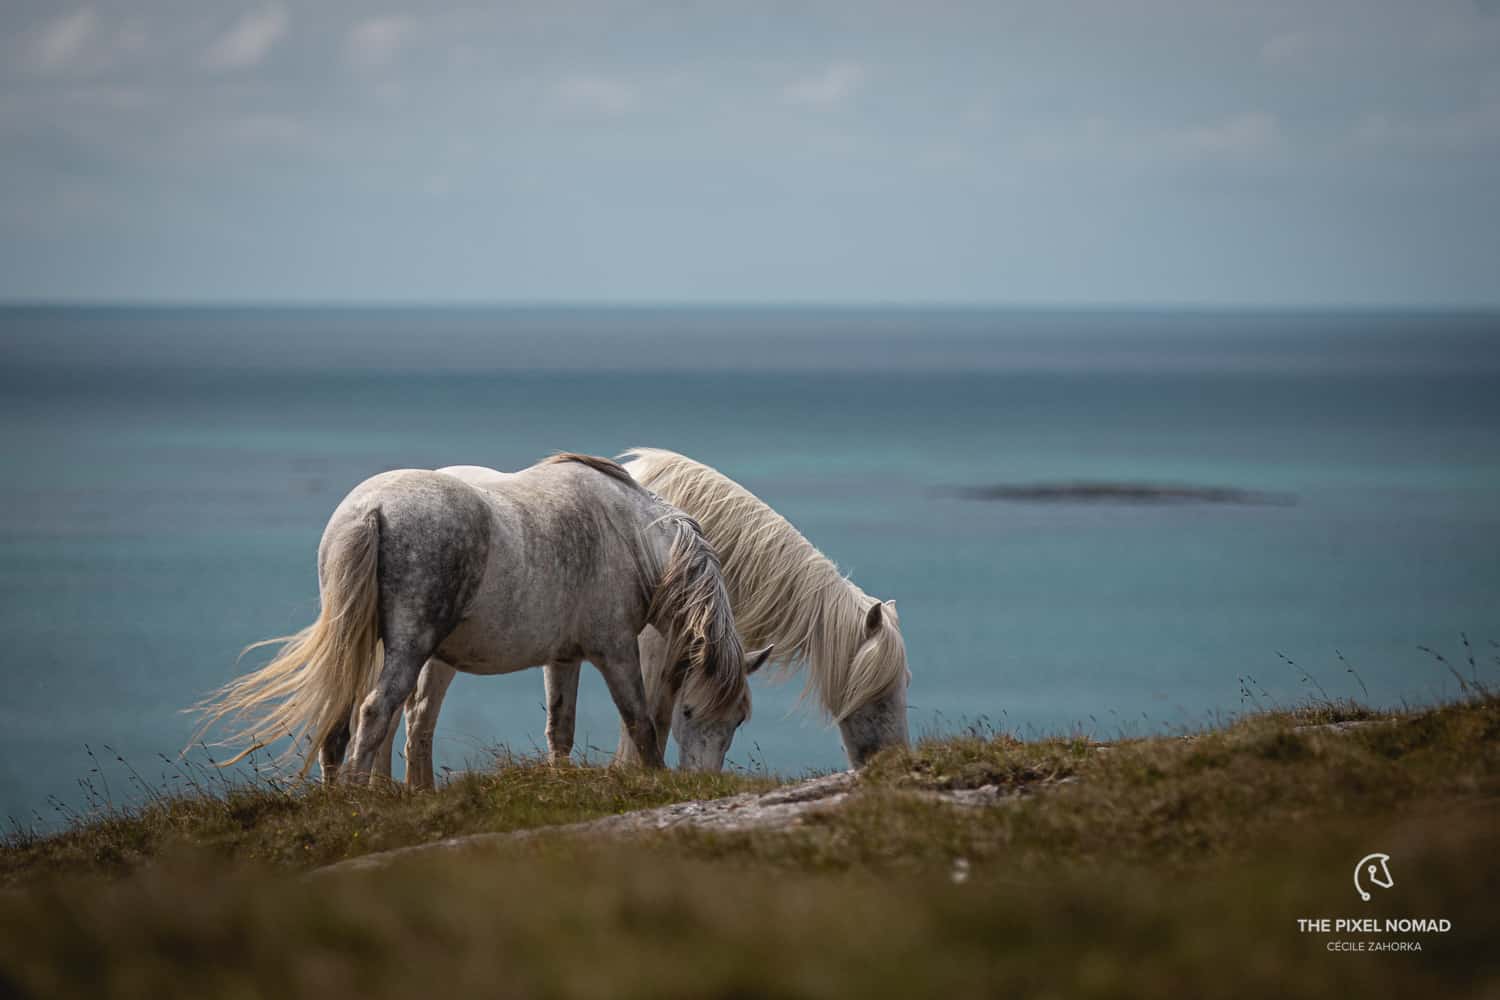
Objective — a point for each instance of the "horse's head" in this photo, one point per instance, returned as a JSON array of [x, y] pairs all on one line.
[[878, 678], [702, 742]]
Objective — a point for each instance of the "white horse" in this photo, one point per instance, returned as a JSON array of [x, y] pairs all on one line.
[[785, 594], [567, 560]]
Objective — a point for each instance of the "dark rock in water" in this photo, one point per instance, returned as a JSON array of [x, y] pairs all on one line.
[[1104, 492]]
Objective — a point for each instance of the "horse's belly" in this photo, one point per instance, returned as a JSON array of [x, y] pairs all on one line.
[[480, 647]]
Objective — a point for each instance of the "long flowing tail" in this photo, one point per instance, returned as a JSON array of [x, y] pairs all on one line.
[[307, 690]]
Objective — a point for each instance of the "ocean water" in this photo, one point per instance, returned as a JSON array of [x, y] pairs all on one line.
[[168, 473]]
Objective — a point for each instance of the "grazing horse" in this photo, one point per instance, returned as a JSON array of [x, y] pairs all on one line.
[[785, 593], [561, 680], [567, 560]]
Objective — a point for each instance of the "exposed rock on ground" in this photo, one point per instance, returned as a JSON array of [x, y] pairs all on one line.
[[781, 809]]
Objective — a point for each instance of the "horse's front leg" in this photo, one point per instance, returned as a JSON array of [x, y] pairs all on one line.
[[622, 673], [561, 681], [421, 721], [661, 686]]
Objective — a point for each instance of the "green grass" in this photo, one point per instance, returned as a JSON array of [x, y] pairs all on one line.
[[302, 825], [1182, 804], [1166, 866]]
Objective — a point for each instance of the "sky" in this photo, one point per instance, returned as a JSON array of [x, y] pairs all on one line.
[[1307, 152]]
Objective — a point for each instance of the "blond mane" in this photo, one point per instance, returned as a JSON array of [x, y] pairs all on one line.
[[782, 589]]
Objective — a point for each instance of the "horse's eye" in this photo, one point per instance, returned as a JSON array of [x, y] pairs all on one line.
[[687, 713]]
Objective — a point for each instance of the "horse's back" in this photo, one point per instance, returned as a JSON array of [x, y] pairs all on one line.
[[564, 577], [479, 475], [564, 521]]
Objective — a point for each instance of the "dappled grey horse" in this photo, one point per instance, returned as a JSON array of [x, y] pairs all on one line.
[[567, 560], [704, 749]]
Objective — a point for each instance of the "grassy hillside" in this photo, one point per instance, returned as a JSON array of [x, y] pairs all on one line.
[[1151, 867], [294, 825]]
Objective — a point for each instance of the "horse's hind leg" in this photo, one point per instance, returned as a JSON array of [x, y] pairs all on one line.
[[561, 680], [331, 753], [382, 768], [421, 721], [377, 713], [622, 672]]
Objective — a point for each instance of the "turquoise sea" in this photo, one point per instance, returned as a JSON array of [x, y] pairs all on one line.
[[168, 472]]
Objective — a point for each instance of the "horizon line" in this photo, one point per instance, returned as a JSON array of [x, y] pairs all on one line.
[[746, 304]]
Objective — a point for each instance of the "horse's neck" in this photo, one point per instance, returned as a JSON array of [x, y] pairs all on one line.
[[658, 534], [787, 615]]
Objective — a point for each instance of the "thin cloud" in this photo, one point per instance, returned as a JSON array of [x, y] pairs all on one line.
[[131, 38], [1461, 131], [1290, 48], [1245, 137], [601, 94], [942, 157], [1251, 133], [832, 88], [61, 42], [373, 43], [263, 129], [248, 42]]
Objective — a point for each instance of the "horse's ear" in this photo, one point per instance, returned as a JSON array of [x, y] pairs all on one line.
[[754, 661], [872, 620]]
